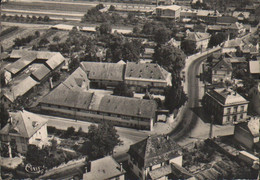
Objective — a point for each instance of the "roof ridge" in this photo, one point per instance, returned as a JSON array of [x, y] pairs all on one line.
[[23, 118]]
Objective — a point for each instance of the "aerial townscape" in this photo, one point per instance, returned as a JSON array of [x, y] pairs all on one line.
[[129, 89]]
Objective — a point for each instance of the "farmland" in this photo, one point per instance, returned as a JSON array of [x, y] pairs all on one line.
[[45, 6]]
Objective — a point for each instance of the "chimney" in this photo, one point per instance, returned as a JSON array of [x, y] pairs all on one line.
[[88, 167], [121, 167]]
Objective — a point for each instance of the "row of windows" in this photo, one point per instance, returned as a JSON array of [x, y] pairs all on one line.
[[103, 113], [234, 118]]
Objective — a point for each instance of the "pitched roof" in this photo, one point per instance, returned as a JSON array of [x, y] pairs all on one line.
[[103, 71], [172, 7], [56, 60], [145, 71], [26, 57], [207, 12], [197, 36], [65, 97], [41, 72], [104, 168], [241, 14], [226, 20], [223, 64], [253, 126], [233, 60], [20, 64], [154, 150], [24, 124], [78, 80], [226, 96], [254, 67], [20, 88], [128, 106], [232, 43]]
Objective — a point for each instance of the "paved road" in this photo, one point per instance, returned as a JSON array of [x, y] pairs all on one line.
[[188, 118]]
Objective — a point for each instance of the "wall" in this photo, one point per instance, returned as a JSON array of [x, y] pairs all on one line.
[[21, 142], [93, 116], [244, 136], [40, 137]]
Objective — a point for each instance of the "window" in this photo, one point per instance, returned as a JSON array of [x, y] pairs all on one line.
[[228, 118], [241, 116], [234, 118], [235, 109], [242, 108], [228, 110]]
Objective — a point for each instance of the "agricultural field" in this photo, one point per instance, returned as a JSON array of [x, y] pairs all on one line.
[[8, 42], [34, 6]]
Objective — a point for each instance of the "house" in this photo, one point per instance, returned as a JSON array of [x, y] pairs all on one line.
[[142, 76], [103, 75], [254, 68], [200, 39], [183, 2], [226, 20], [18, 88], [172, 12], [187, 13], [121, 111], [24, 128], [174, 43], [171, 171], [231, 45], [221, 71], [241, 15], [208, 16], [247, 133], [225, 105], [146, 156], [78, 80], [104, 168], [200, 28], [23, 59]]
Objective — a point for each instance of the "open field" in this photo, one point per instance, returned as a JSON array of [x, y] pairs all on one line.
[[46, 6]]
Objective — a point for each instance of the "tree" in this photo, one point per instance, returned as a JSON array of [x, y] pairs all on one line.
[[56, 39], [216, 39], [43, 42], [54, 144], [69, 132], [39, 18], [46, 18], [173, 60], [103, 139], [170, 58], [105, 28], [34, 18], [112, 8], [162, 35], [189, 47], [55, 76], [37, 34], [122, 90], [74, 64], [4, 115]]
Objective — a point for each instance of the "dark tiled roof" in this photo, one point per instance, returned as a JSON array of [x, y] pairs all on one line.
[[56, 60], [65, 97], [145, 71], [41, 72], [224, 64], [128, 106], [103, 71], [77, 80], [20, 64], [154, 150], [226, 19]]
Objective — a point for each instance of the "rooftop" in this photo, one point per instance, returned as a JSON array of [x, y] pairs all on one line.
[[145, 71], [104, 71], [23, 124], [227, 96], [104, 168], [154, 150], [254, 67], [197, 36], [172, 7], [223, 64], [20, 88]]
